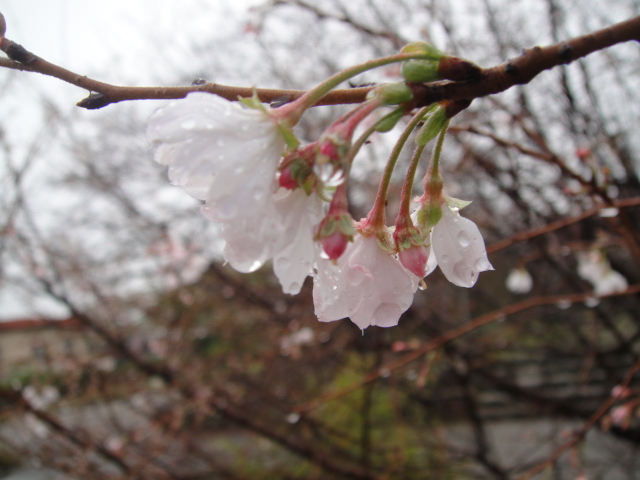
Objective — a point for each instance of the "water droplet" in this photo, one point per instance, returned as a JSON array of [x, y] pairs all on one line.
[[188, 124], [464, 239], [465, 274], [386, 314], [444, 259]]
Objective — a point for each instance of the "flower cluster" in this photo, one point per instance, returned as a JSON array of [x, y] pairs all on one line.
[[277, 200]]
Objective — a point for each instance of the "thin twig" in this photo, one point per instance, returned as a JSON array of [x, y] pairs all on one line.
[[520, 70], [449, 336]]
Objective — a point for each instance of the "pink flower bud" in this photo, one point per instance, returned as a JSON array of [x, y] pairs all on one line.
[[583, 153], [329, 149], [335, 244], [415, 259], [286, 179]]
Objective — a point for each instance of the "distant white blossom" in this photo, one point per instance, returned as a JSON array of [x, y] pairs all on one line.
[[366, 284], [458, 248], [519, 280], [594, 267]]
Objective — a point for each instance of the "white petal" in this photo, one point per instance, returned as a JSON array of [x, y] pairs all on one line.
[[368, 285], [205, 140], [300, 214], [459, 249], [329, 290]]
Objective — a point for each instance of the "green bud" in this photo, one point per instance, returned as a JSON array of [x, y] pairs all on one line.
[[345, 225], [428, 217], [420, 71], [428, 51], [327, 228], [300, 171], [393, 93], [432, 126], [389, 121]]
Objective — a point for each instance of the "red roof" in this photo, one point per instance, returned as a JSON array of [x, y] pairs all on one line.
[[40, 323]]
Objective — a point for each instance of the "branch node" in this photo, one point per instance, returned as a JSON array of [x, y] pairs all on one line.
[[94, 101], [566, 53], [17, 52]]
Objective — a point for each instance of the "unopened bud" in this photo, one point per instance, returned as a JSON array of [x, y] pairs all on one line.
[[335, 244], [428, 51], [393, 93], [286, 179], [335, 233], [420, 71], [415, 259]]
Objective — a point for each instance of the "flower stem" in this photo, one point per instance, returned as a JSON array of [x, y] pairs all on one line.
[[376, 218], [404, 215], [293, 111]]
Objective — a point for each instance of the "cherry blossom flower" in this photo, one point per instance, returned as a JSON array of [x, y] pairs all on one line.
[[227, 155], [366, 284], [458, 248]]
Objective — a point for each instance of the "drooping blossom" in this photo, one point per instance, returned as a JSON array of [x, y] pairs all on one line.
[[458, 248], [226, 155], [366, 284]]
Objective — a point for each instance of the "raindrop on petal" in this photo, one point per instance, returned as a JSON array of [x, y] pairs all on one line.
[[386, 315], [282, 263], [464, 238]]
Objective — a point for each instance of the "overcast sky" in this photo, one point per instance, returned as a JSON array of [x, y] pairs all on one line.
[[118, 41]]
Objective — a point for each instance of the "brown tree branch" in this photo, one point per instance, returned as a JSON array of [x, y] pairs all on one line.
[[520, 70], [455, 333]]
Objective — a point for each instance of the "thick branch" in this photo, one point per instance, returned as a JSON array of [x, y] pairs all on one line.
[[493, 80]]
